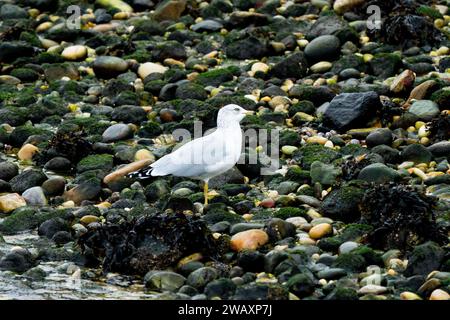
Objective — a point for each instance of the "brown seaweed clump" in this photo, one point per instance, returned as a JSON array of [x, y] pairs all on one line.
[[439, 128], [71, 145], [148, 242], [402, 217]]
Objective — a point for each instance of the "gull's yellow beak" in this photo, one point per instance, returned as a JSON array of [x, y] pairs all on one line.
[[249, 112]]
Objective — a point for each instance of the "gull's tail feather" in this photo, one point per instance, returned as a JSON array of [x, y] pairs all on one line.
[[144, 173]]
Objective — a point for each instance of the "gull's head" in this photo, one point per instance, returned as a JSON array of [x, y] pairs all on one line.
[[231, 113]]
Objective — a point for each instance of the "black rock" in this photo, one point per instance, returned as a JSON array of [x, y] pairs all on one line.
[[129, 114], [294, 66], [10, 51], [62, 237], [248, 48], [424, 259], [250, 260], [343, 203], [223, 288], [10, 11], [301, 285], [58, 164], [8, 170], [27, 179], [17, 261], [325, 47], [379, 137], [416, 153], [351, 110], [278, 229], [261, 291], [50, 227]]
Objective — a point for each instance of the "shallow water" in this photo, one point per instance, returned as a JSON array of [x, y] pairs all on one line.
[[64, 280]]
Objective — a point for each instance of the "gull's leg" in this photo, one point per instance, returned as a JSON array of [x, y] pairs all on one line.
[[205, 192]]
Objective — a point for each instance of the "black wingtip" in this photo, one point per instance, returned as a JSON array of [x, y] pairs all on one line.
[[144, 173]]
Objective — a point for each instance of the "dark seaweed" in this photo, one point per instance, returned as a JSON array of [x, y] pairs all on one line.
[[401, 215], [148, 242]]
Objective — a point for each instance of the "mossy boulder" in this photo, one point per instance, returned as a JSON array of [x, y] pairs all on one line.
[[102, 162], [217, 212], [26, 218], [385, 65], [343, 203], [309, 153], [25, 74], [288, 212], [215, 77], [20, 134]]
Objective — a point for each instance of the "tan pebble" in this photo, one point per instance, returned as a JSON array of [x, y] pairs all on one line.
[[121, 15], [247, 216], [190, 258], [10, 202], [250, 239], [321, 67], [27, 152], [320, 231], [44, 26], [439, 294], [317, 139], [406, 295], [260, 66], [144, 154], [372, 289], [173, 62], [89, 219], [149, 67], [73, 53]]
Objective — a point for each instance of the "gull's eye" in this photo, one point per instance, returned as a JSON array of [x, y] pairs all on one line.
[[236, 109]]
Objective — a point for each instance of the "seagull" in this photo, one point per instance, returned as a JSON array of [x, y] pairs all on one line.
[[205, 157]]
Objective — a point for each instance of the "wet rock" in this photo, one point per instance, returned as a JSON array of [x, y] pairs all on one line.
[[343, 203], [325, 47], [350, 110], [50, 227], [200, 277], [294, 66], [85, 191], [164, 281], [62, 237], [54, 186], [247, 48], [27, 179], [58, 164], [378, 173], [8, 170], [10, 51], [74, 53], [325, 174], [169, 10], [440, 149], [379, 137], [35, 196], [278, 229], [424, 259], [416, 153], [109, 67], [10, 202], [129, 114], [424, 109], [148, 68], [207, 25], [222, 287], [301, 285], [17, 261], [11, 11], [249, 239], [321, 230], [116, 132]]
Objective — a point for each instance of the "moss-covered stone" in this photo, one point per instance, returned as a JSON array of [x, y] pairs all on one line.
[[21, 134], [26, 218], [297, 174], [343, 203], [309, 153], [102, 162], [288, 212], [217, 212], [25, 74], [215, 77], [441, 97]]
